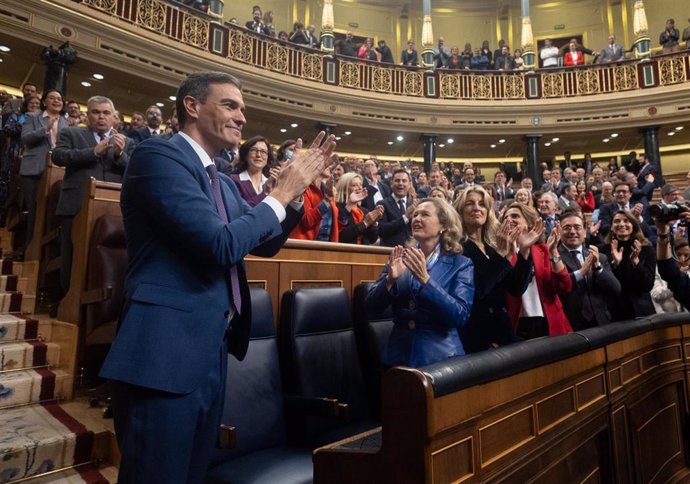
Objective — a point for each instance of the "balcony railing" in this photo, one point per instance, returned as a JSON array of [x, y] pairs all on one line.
[[237, 44]]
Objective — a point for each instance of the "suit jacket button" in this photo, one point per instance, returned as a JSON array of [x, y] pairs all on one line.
[[412, 305], [411, 324]]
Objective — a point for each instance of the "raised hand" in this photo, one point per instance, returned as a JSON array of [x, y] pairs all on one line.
[[372, 217], [527, 239], [554, 238], [505, 239], [616, 253], [635, 253], [415, 262], [117, 141], [594, 252], [272, 178], [396, 268], [594, 228], [357, 196]]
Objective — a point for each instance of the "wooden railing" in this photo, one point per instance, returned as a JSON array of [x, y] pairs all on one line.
[[608, 404], [235, 43]]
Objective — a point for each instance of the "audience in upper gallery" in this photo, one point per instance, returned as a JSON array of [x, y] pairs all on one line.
[[40, 133], [594, 283], [347, 47], [257, 23], [304, 36], [356, 224], [479, 61], [580, 48], [409, 56], [573, 57], [256, 170], [518, 61], [455, 61], [669, 37], [430, 288], [612, 52], [504, 61], [549, 54], [385, 52], [368, 52], [686, 36], [634, 265], [498, 270], [441, 54], [498, 51], [539, 312], [394, 224], [320, 218]]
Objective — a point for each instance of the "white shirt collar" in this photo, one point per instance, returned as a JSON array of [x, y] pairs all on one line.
[[203, 156]]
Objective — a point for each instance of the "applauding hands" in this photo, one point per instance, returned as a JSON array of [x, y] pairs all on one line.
[[410, 258]]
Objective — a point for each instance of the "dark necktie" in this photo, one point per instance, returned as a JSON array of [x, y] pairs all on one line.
[[102, 136], [217, 197], [401, 205], [587, 311]]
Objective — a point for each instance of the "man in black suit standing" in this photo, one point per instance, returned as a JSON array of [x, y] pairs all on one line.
[[394, 225], [377, 190], [256, 24], [96, 151], [593, 280], [154, 118]]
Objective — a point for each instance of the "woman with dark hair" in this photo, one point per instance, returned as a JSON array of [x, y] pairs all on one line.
[[39, 136], [338, 171], [634, 264], [430, 287], [585, 196], [613, 166], [13, 128], [538, 311], [356, 224], [367, 51], [498, 270], [285, 151], [254, 177]]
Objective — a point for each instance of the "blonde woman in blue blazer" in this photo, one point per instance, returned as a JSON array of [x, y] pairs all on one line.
[[430, 286]]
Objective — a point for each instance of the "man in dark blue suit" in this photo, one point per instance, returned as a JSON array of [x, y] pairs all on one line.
[[186, 300], [154, 118]]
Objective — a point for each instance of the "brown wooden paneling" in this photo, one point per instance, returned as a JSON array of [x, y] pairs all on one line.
[[51, 175], [555, 408], [453, 463], [505, 435]]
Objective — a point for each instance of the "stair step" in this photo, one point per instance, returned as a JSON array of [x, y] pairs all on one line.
[[10, 302], [86, 474], [18, 356], [14, 327], [32, 386], [41, 438]]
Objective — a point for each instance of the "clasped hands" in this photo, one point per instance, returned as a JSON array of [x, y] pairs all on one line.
[[404, 259]]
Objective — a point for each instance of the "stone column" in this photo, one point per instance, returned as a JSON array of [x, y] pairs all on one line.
[[327, 24], [429, 150], [528, 48], [57, 63], [651, 146], [641, 45], [533, 161], [427, 37]]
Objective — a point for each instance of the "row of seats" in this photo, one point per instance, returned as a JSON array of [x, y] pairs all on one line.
[[315, 382]]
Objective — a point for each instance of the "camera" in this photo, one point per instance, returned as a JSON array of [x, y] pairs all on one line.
[[668, 212]]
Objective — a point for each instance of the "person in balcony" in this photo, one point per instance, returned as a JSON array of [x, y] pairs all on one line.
[[539, 311], [347, 46], [409, 56], [268, 22], [256, 170], [634, 265], [385, 53], [430, 287], [669, 37], [356, 224], [549, 54], [441, 54], [486, 50], [466, 56], [479, 61], [686, 36], [456, 61], [518, 61], [282, 35], [367, 51], [504, 61], [612, 52], [498, 269], [298, 35], [573, 57], [257, 25]]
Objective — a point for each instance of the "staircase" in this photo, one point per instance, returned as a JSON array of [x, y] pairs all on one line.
[[41, 440]]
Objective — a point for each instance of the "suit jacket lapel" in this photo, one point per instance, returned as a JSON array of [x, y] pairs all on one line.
[[88, 137], [195, 164]]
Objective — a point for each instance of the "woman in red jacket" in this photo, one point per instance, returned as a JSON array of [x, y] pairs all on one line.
[[573, 57], [320, 219], [539, 312], [585, 197]]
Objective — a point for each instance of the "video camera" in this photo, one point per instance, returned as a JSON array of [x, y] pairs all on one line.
[[669, 212]]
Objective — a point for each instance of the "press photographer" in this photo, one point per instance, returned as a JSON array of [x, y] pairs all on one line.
[[669, 266]]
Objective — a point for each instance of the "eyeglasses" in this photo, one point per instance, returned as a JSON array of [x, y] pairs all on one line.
[[622, 191], [568, 228], [259, 151]]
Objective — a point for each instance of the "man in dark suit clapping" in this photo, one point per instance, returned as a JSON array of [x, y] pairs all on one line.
[[394, 225]]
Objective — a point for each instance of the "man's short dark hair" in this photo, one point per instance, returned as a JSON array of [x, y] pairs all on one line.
[[615, 187], [197, 86], [401, 170]]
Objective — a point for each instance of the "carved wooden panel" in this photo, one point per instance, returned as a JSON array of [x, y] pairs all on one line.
[[505, 435], [453, 463]]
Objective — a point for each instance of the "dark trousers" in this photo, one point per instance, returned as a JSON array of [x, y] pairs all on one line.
[[29, 185], [66, 251], [168, 438]]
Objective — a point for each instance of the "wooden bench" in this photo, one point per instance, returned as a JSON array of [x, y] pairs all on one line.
[[608, 404]]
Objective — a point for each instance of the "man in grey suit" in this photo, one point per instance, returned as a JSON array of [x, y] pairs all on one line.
[[96, 151], [612, 52], [39, 135], [593, 280]]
